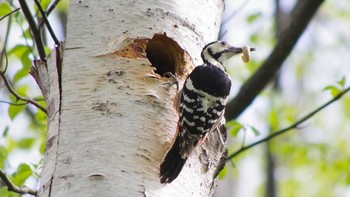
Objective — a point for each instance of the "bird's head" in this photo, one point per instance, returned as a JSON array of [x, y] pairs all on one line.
[[218, 52]]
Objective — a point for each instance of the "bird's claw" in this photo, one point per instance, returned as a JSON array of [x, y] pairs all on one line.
[[176, 80]]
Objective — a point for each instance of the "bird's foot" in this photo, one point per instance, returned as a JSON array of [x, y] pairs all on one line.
[[175, 80]]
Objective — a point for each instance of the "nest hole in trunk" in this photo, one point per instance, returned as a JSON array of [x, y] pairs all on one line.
[[166, 55]]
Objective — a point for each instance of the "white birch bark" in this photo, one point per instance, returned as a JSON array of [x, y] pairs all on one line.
[[117, 120]]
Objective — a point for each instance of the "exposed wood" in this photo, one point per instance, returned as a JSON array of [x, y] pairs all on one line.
[[46, 75]]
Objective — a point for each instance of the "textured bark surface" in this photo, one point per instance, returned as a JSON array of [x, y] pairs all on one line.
[[117, 119], [47, 76]]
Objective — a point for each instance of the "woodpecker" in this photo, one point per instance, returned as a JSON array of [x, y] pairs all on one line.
[[200, 105]]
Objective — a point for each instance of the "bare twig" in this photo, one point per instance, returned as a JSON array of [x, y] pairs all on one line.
[[15, 104], [52, 7], [223, 32], [10, 88], [14, 188], [4, 54], [47, 23], [49, 10], [13, 11], [6, 38], [293, 126], [234, 13], [34, 28], [301, 16], [23, 34]]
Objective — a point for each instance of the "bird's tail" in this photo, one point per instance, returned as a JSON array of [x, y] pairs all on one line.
[[172, 164]]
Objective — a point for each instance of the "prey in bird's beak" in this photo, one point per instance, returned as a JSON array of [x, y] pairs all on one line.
[[219, 52]]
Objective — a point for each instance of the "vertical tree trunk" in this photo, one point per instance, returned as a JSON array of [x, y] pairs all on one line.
[[115, 119]]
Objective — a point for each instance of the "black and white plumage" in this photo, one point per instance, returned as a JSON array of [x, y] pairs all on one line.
[[200, 104]]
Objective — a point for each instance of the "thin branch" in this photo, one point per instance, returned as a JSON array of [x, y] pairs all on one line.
[[52, 7], [47, 23], [13, 11], [23, 33], [234, 13], [31, 47], [3, 52], [293, 126], [34, 28], [230, 17], [49, 10], [19, 97], [14, 188], [6, 59], [301, 16], [15, 104]]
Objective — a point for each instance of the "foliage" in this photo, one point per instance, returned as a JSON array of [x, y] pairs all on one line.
[[313, 159], [23, 128]]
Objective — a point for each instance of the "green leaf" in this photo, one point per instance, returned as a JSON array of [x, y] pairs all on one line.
[[3, 156], [21, 74], [6, 130], [63, 6], [14, 110], [22, 90], [334, 90], [42, 147], [26, 143], [342, 82], [223, 173], [234, 127], [40, 115], [24, 171], [18, 50], [4, 192], [48, 49], [255, 131], [27, 34], [23, 53], [253, 17], [255, 38], [40, 123], [11, 145], [45, 4], [5, 8], [274, 119]]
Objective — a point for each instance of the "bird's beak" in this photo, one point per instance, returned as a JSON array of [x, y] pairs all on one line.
[[236, 50], [232, 51], [252, 49]]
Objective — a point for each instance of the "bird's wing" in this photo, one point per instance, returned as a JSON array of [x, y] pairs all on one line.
[[220, 121]]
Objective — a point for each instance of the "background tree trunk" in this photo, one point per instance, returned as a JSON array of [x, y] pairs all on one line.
[[115, 120]]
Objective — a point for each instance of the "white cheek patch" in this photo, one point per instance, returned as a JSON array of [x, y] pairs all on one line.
[[246, 54]]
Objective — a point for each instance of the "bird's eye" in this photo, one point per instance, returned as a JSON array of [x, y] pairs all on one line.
[[223, 43]]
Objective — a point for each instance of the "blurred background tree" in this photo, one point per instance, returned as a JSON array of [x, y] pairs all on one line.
[[312, 160]]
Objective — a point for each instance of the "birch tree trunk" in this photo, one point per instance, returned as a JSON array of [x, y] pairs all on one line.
[[115, 121]]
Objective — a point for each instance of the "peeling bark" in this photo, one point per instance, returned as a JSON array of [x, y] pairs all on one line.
[[47, 77]]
